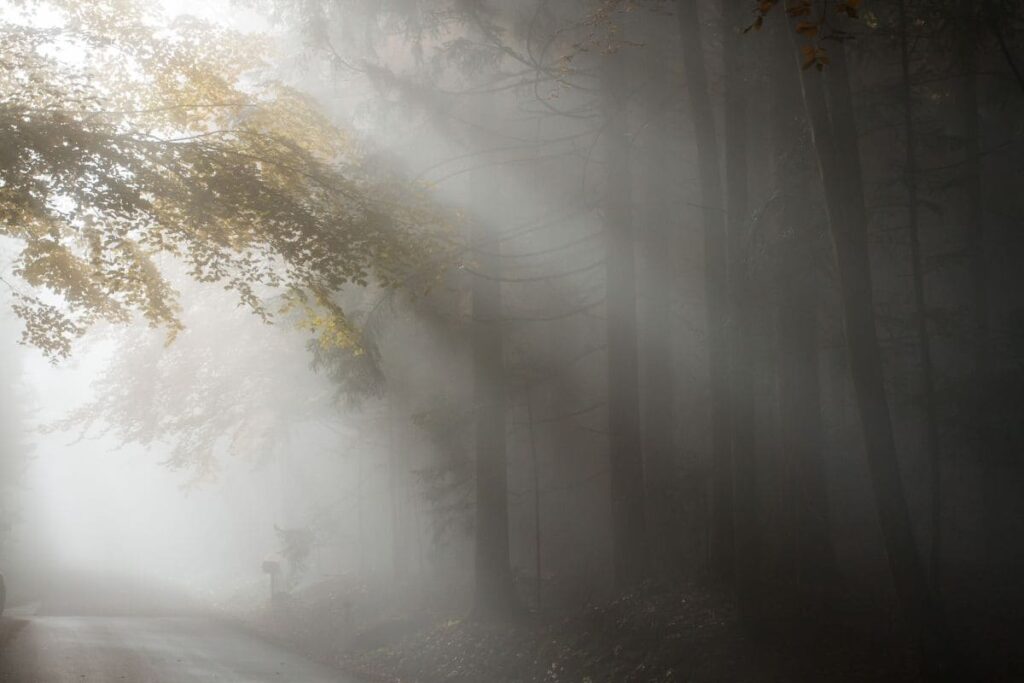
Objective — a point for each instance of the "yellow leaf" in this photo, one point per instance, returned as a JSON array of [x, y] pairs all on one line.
[[808, 29]]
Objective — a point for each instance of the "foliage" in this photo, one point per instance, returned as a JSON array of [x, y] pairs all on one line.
[[200, 396], [126, 139], [354, 369], [815, 23], [446, 484]]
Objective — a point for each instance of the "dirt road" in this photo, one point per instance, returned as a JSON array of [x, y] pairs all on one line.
[[49, 649]]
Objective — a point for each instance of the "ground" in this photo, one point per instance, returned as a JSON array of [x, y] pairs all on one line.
[[684, 634], [337, 630]]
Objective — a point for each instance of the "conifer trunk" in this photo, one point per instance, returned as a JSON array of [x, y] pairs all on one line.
[[495, 594], [658, 386], [629, 529], [836, 146], [924, 343], [807, 522], [494, 591], [721, 532], [741, 384]]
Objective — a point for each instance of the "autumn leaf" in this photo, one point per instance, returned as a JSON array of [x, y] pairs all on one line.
[[812, 55], [808, 29], [799, 9]]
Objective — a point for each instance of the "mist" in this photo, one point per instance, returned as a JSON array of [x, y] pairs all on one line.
[[511, 341]]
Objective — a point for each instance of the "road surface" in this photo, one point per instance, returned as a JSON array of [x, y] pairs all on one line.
[[145, 650]]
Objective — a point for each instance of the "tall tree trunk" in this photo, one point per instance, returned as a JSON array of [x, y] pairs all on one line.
[[721, 537], [629, 533], [978, 413], [807, 524], [920, 305], [660, 449], [836, 147], [495, 595], [397, 493], [538, 564], [971, 130], [741, 384]]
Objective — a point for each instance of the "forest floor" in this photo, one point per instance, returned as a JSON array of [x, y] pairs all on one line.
[[689, 634]]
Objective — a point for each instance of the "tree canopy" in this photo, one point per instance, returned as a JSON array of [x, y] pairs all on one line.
[[128, 142]]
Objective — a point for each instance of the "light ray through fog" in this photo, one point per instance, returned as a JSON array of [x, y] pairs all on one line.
[[511, 341]]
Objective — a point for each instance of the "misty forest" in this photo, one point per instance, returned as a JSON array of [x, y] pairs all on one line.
[[512, 340]]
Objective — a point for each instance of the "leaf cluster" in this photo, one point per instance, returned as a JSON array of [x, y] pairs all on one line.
[[813, 21], [125, 141]]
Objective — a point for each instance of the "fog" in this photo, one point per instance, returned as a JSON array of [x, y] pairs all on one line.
[[511, 341]]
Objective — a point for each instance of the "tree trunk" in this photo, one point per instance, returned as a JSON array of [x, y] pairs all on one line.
[[806, 526], [741, 384], [967, 99], [978, 414], [625, 454], [397, 493], [721, 536], [495, 595], [836, 146], [538, 557], [658, 386], [921, 307]]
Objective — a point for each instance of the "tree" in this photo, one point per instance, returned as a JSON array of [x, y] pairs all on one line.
[[629, 526], [835, 142], [245, 400], [741, 399], [715, 286], [494, 592], [924, 341], [14, 449], [658, 223], [165, 145], [809, 546]]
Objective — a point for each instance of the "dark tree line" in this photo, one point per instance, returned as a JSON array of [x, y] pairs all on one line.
[[769, 180]]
